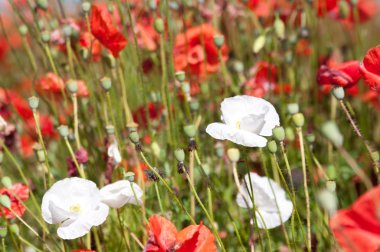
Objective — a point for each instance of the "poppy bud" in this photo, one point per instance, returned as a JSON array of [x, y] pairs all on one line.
[[156, 149], [292, 108], [338, 93], [159, 25], [331, 132], [310, 138], [106, 83], [45, 36], [179, 155], [344, 9], [14, 229], [278, 133], [180, 76], [328, 201], [259, 43], [298, 120], [86, 6], [218, 41], [33, 102], [110, 129], [272, 146], [279, 28], [72, 86], [67, 30], [23, 30], [289, 133], [331, 172], [5, 201], [39, 152], [190, 130], [6, 181], [194, 105], [42, 4], [152, 5], [331, 185], [219, 149], [233, 154], [63, 131], [134, 137], [3, 231]]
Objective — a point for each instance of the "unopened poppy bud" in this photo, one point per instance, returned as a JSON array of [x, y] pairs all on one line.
[[106, 83], [180, 76], [219, 148], [289, 133], [159, 25], [45, 36], [40, 154], [310, 138], [156, 149], [233, 154], [72, 86], [63, 131], [328, 201], [14, 229], [375, 156], [42, 4], [272, 146], [344, 9], [86, 6], [298, 120], [331, 132], [279, 28], [218, 41], [331, 172], [6, 181], [292, 108], [67, 30], [130, 176], [278, 133], [110, 129], [194, 105], [259, 43], [190, 130], [134, 137], [338, 93], [3, 231], [331, 185], [5, 201], [179, 155], [33, 102], [23, 30], [152, 5]]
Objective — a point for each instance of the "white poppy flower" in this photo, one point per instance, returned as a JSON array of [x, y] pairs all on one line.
[[247, 120], [75, 204], [120, 193], [113, 152], [266, 193]]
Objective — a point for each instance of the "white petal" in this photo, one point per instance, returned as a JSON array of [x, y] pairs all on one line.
[[113, 151], [72, 229], [222, 132], [272, 219], [120, 193]]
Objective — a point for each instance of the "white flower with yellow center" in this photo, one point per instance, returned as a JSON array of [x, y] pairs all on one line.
[[75, 204], [247, 120]]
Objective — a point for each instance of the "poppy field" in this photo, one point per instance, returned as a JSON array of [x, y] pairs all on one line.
[[189, 125]]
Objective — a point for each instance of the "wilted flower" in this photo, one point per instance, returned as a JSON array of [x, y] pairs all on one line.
[[122, 192], [272, 206], [246, 120]]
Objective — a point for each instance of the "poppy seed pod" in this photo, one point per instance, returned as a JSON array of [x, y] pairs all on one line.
[[194, 105], [152, 5], [5, 201], [278, 133], [33, 102], [72, 86], [3, 231], [331, 132], [310, 138], [375, 156], [328, 201], [344, 9], [23, 30], [159, 25], [331, 172], [298, 120], [106, 83], [110, 129], [63, 131], [190, 130], [289, 133], [272, 146], [67, 30], [45, 36], [219, 148], [233, 154], [180, 76], [14, 229], [238, 66], [338, 93], [331, 185], [179, 155], [292, 108], [86, 6], [134, 137], [218, 41], [130, 176], [6, 181]]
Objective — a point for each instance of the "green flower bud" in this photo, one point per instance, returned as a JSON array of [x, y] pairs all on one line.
[[45, 36], [86, 6], [179, 155], [279, 27], [272, 146], [106, 83], [180, 76], [289, 133], [159, 25], [233, 154], [41, 25], [218, 41], [33, 102], [185, 86], [3, 231], [278, 133], [134, 137], [259, 43], [298, 120], [63, 131], [72, 86], [156, 149], [84, 52], [23, 30], [40, 154], [338, 93], [190, 130], [110, 60], [292, 108], [14, 229], [331, 132], [344, 9], [6, 181], [152, 5], [238, 66], [5, 201], [194, 105], [331, 172], [310, 138]]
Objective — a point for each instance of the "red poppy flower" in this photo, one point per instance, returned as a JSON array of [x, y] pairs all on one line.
[[263, 80], [189, 53], [154, 113], [261, 8], [358, 228], [26, 145], [370, 68], [103, 29], [197, 238], [162, 235], [86, 40], [4, 48], [373, 98], [50, 84], [346, 74], [17, 193], [147, 37]]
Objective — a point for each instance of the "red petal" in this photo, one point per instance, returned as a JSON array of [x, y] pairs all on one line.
[[162, 234], [196, 238]]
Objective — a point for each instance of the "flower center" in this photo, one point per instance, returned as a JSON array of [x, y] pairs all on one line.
[[238, 124], [75, 208]]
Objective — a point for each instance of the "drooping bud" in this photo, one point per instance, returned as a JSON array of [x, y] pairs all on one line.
[[310, 138], [233, 154], [42, 4], [152, 5], [344, 9], [45, 36], [23, 30], [331, 132], [14, 229], [279, 27], [3, 231]]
